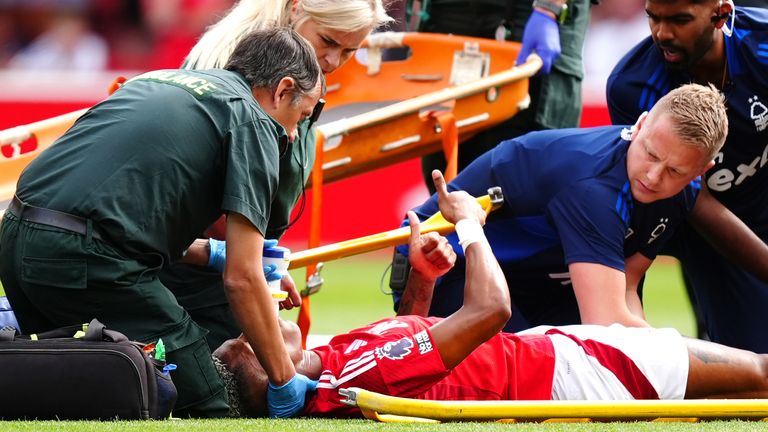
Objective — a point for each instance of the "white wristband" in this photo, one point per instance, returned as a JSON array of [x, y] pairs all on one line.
[[469, 231]]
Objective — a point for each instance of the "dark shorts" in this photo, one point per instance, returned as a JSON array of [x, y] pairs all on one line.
[[200, 291]]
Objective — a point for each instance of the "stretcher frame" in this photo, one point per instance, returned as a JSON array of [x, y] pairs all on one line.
[[435, 223], [390, 409]]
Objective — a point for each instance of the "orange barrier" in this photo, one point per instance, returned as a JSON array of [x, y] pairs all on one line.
[[20, 144]]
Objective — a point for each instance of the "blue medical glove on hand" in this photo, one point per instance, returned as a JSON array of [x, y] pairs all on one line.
[[217, 255], [269, 269], [542, 35], [288, 399], [271, 274]]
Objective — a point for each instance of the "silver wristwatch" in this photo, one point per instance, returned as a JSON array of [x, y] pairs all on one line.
[[560, 11]]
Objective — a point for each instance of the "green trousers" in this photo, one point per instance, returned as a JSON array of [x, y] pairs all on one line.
[[54, 277]]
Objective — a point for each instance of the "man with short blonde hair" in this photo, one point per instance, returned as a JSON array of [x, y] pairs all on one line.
[[698, 115], [712, 41], [587, 210]]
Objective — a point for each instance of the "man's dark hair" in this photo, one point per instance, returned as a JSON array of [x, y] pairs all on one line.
[[264, 57]]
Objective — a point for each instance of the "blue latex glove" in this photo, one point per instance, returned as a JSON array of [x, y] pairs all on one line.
[[269, 270], [288, 399], [542, 35], [218, 254], [217, 257], [269, 273]]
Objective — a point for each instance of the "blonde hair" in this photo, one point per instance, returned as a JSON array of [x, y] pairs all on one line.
[[344, 15], [698, 116], [217, 43]]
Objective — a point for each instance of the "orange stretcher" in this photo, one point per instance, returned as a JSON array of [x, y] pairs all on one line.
[[378, 112], [449, 88]]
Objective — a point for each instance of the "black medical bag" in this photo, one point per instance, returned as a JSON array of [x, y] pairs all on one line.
[[81, 372]]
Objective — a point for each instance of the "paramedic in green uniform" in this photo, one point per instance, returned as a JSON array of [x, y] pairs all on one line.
[[126, 190], [335, 29]]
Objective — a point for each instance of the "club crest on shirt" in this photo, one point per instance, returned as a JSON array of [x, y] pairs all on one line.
[[759, 113], [395, 350]]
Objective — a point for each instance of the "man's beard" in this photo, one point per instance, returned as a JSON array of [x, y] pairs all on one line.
[[689, 59]]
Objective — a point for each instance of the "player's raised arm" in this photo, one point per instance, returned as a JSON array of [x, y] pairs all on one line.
[[431, 256], [486, 296]]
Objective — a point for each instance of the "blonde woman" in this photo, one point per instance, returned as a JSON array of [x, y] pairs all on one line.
[[335, 28]]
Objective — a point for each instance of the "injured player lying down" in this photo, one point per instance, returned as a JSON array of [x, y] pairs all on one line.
[[465, 357]]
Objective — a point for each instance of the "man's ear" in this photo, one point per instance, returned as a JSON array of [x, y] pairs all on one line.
[[640, 121], [722, 13], [707, 167], [285, 89], [295, 10], [632, 132]]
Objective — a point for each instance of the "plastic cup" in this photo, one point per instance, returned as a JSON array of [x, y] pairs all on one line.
[[279, 256]]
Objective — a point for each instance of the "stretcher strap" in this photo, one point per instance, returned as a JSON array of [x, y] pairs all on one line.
[[304, 320], [116, 84], [450, 135]]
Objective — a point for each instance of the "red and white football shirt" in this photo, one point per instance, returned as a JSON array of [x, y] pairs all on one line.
[[397, 357]]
